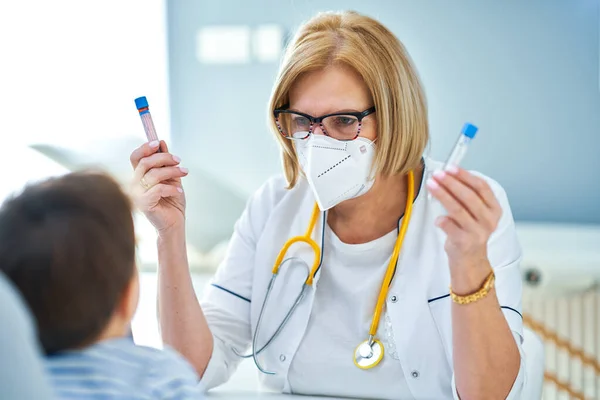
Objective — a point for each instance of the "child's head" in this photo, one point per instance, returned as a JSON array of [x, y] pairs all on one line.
[[68, 244]]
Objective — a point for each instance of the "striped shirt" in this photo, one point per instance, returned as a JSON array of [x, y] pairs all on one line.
[[119, 369]]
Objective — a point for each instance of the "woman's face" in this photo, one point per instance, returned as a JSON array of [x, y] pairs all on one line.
[[331, 90]]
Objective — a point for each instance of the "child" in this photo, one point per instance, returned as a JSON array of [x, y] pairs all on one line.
[[68, 245]]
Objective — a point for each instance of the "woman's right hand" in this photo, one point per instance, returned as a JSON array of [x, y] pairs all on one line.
[[156, 186]]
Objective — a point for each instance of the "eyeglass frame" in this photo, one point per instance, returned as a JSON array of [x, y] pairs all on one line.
[[360, 115]]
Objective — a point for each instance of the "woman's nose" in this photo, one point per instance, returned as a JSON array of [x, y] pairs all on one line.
[[318, 130]]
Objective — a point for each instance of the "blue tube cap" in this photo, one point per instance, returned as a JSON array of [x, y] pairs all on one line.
[[469, 130], [141, 102]]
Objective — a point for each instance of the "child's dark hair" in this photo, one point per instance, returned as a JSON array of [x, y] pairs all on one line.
[[68, 244]]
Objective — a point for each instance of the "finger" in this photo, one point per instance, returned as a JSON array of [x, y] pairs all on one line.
[[449, 226], [484, 191], [160, 175], [160, 191], [477, 184], [144, 150], [464, 194], [156, 160], [163, 146], [454, 208]]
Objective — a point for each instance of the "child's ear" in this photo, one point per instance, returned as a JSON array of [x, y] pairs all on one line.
[[131, 297]]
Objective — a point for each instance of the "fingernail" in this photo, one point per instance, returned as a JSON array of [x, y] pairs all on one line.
[[439, 174], [184, 170], [438, 221], [154, 143], [180, 190], [176, 159], [431, 184], [453, 169]]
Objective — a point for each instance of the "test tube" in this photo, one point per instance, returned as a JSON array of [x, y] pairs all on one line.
[[462, 144], [141, 104], [467, 134]]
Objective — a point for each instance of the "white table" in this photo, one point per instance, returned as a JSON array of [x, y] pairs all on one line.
[[238, 395]]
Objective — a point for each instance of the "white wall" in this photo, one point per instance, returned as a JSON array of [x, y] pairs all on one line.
[[525, 72]]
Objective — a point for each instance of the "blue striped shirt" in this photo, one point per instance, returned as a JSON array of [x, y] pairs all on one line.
[[119, 369]]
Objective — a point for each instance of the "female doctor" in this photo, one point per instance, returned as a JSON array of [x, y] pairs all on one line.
[[377, 293]]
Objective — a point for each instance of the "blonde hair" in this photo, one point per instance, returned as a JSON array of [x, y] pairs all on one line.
[[368, 47]]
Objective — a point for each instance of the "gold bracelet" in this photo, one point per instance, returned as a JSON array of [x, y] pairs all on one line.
[[478, 295]]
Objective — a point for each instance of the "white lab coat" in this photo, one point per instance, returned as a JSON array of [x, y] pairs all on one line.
[[418, 302]]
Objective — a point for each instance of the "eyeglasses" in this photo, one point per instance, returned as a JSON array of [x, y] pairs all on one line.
[[344, 126]]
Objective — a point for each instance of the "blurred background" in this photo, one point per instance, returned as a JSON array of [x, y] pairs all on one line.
[[527, 73]]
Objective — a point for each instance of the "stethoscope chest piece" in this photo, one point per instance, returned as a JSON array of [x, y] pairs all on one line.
[[368, 354]]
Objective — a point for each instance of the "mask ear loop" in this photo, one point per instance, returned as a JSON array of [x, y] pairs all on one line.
[[372, 169]]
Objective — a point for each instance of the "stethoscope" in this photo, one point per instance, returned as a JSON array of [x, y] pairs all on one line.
[[368, 353]]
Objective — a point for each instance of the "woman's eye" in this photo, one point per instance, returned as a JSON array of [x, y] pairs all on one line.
[[301, 121], [345, 121]]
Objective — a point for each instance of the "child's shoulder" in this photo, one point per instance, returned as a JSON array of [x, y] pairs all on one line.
[[155, 362], [166, 370], [171, 375], [165, 359], [171, 359]]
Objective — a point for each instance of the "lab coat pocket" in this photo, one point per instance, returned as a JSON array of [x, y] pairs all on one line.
[[441, 312]]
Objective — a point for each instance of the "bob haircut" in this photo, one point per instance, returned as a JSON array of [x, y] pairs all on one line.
[[368, 47]]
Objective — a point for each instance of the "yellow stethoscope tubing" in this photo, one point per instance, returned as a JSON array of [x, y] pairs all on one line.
[[389, 274], [306, 238]]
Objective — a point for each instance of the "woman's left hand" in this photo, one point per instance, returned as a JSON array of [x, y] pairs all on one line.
[[472, 216]]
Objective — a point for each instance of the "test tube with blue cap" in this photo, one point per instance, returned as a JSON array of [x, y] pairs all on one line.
[[467, 134], [459, 151], [141, 104]]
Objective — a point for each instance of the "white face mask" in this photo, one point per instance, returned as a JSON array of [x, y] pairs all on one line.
[[336, 171]]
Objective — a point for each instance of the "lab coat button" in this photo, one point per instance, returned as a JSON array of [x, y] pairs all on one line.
[[394, 299], [415, 374], [282, 357]]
